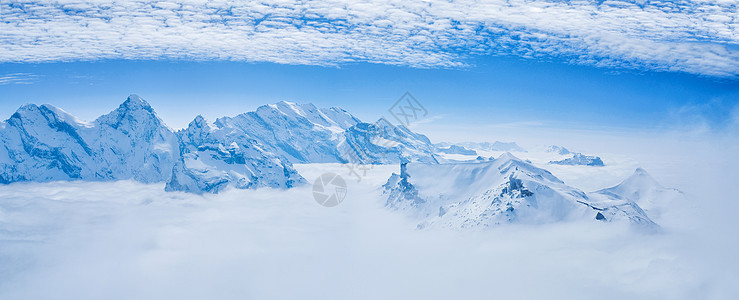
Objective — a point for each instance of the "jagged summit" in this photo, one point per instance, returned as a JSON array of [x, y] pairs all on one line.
[[133, 104], [134, 113], [25, 108], [198, 122], [134, 101]]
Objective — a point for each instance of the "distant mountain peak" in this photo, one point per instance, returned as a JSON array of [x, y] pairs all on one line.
[[507, 156], [642, 177], [558, 149], [284, 102]]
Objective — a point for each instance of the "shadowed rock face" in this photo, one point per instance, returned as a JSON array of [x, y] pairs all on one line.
[[44, 143]]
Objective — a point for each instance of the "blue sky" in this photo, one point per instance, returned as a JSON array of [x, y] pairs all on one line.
[[613, 64], [495, 90]]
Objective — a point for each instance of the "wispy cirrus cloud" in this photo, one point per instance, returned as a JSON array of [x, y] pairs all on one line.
[[698, 37], [18, 78]]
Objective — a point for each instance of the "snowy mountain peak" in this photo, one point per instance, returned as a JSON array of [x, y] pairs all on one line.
[[25, 109], [641, 189], [34, 115], [558, 149], [198, 122], [640, 172], [135, 112], [640, 179], [282, 105], [134, 101]]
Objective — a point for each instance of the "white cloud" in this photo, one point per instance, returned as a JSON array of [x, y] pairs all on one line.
[[18, 78], [696, 37]]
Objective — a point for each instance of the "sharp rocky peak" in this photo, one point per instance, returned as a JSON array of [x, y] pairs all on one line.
[[135, 103], [199, 121], [134, 100], [134, 109], [26, 108]]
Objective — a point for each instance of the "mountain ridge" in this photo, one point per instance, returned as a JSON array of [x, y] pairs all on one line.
[[252, 149]]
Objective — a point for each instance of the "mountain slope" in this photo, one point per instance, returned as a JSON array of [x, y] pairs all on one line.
[[300, 133], [42, 143], [643, 190]]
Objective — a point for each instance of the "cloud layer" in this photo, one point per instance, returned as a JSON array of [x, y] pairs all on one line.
[[126, 240], [691, 36], [18, 78]]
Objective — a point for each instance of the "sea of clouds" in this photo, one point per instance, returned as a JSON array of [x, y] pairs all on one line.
[[127, 240]]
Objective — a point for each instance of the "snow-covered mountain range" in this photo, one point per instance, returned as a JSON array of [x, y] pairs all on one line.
[[507, 190], [253, 149], [258, 149], [486, 146]]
